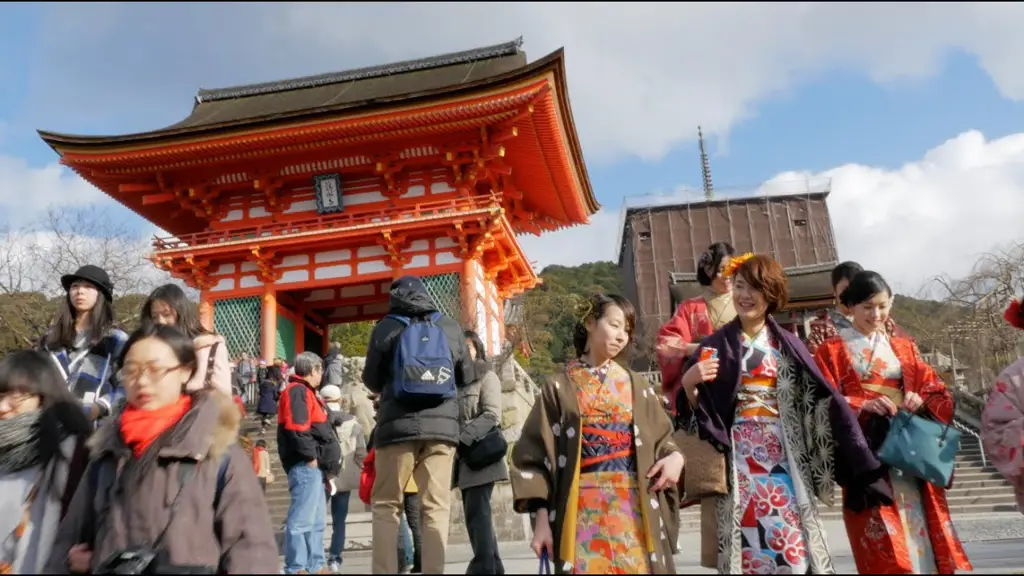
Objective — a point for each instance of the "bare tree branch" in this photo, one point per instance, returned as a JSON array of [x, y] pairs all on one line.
[[34, 257], [972, 327]]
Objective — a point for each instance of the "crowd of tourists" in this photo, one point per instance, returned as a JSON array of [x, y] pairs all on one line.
[[123, 454]]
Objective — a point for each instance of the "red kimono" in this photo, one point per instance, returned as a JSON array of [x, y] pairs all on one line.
[[827, 325], [878, 536], [689, 324]]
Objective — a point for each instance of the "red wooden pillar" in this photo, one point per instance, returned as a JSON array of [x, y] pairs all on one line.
[[206, 310], [268, 331]]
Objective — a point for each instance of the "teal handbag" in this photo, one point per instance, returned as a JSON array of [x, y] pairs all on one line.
[[922, 448]]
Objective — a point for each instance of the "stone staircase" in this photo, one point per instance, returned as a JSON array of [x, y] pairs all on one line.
[[977, 489], [357, 534]]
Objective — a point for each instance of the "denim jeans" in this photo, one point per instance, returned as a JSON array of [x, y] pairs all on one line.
[[476, 504], [307, 517], [339, 513], [405, 548]]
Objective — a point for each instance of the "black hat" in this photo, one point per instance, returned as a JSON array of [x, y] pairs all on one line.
[[94, 275]]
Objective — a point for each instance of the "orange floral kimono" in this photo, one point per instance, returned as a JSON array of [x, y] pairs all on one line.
[[915, 534]]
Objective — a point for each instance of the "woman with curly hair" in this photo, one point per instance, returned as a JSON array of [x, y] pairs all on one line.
[[753, 391]]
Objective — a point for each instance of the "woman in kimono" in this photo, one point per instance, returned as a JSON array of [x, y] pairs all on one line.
[[678, 339], [787, 435], [880, 374], [1002, 420], [696, 317], [595, 465]]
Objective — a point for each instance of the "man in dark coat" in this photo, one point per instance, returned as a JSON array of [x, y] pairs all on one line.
[[413, 439]]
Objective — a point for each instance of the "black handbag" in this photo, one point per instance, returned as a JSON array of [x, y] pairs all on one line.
[[485, 451]]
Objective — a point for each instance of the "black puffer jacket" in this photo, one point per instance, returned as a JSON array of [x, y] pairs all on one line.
[[399, 422]]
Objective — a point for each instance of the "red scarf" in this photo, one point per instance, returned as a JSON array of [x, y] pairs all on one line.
[[140, 427]]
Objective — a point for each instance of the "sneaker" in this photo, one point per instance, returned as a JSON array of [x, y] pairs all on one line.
[[406, 570], [334, 567]]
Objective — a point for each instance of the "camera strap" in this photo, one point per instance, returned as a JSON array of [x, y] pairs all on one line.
[[186, 472]]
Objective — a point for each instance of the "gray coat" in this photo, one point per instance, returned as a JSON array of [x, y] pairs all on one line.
[[479, 411], [333, 369]]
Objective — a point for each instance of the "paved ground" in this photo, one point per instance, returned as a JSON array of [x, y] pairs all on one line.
[[995, 544]]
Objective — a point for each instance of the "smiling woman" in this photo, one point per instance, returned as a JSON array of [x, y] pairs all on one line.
[[770, 427], [880, 375]]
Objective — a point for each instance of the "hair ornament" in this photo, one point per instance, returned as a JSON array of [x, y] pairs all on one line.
[[1013, 315], [584, 308], [735, 263]]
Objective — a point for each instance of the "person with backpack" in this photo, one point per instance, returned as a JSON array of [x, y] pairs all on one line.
[[168, 488], [353, 451], [416, 360], [42, 458]]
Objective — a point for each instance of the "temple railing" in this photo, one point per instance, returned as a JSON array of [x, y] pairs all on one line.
[[340, 220]]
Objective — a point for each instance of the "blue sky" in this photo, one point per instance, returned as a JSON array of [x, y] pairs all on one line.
[[895, 115]]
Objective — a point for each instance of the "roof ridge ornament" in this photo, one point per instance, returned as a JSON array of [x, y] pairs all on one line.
[[403, 67]]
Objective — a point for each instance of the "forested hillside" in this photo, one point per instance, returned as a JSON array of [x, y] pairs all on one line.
[[549, 313]]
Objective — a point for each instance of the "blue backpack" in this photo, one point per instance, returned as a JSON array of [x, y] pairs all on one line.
[[422, 368]]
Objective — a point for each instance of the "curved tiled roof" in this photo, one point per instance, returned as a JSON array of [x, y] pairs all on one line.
[[254, 104]]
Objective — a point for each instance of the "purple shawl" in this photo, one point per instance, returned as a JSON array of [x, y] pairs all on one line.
[[853, 462]]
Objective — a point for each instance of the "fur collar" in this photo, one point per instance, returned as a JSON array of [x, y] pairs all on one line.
[[206, 430]]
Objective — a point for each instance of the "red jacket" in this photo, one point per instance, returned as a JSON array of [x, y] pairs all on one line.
[[304, 433]]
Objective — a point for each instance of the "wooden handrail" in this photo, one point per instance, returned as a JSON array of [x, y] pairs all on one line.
[[339, 220]]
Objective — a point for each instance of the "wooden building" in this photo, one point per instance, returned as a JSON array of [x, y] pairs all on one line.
[[662, 244], [293, 204]]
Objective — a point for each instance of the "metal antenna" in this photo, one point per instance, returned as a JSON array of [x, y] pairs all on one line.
[[705, 166]]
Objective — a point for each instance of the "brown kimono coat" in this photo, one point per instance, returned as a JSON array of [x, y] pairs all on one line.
[[546, 464]]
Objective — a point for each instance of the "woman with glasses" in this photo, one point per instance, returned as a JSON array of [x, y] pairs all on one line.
[[167, 476], [42, 458]]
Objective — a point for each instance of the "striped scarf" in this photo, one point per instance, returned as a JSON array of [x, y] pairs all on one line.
[[20, 442]]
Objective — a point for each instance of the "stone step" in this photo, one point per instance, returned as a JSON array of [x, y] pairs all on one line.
[[692, 521]]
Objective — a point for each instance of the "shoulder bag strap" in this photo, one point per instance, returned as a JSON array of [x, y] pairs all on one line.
[[186, 472], [209, 364]]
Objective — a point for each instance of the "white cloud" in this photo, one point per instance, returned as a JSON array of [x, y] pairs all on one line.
[[642, 76], [25, 190], [32, 253], [930, 217]]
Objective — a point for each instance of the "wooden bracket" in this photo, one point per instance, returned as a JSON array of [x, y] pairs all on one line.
[[522, 218], [396, 181], [271, 188], [199, 276], [460, 237], [195, 273], [394, 245], [266, 263], [484, 241]]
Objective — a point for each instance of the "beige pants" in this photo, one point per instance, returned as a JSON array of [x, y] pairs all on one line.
[[430, 464]]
